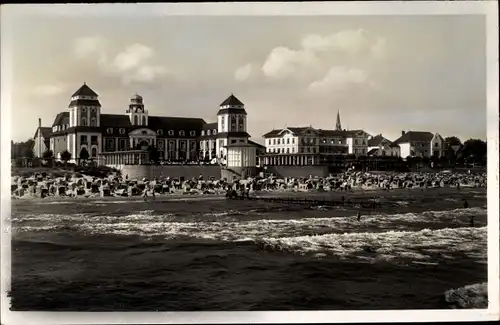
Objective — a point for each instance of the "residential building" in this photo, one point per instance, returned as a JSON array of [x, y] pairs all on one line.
[[421, 144], [380, 146], [41, 139], [310, 146]]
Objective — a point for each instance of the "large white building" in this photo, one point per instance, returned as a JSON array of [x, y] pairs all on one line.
[[119, 138], [311, 146], [421, 144]]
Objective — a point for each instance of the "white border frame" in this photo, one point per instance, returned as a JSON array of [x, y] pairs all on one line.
[[487, 8]]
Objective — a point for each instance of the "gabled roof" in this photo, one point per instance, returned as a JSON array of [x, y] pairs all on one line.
[[379, 139], [85, 91], [372, 151], [61, 119], [231, 101], [45, 132], [415, 136]]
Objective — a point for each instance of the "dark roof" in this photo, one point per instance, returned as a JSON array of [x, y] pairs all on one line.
[[84, 102], [186, 124], [256, 144], [371, 152], [232, 134], [84, 91], [332, 133], [210, 126], [417, 136], [377, 140], [295, 130], [115, 120], [61, 119], [45, 131], [232, 101], [323, 133]]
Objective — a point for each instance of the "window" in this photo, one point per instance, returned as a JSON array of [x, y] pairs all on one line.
[[208, 132], [94, 152], [288, 141], [83, 139], [241, 123], [233, 141], [170, 132], [84, 109], [109, 130], [293, 140], [435, 144], [136, 120], [203, 133], [84, 121], [181, 133], [159, 132], [287, 150], [144, 132], [192, 133], [123, 144], [279, 141], [93, 110], [122, 131], [222, 122], [93, 139], [93, 121], [233, 123], [214, 132], [144, 120]]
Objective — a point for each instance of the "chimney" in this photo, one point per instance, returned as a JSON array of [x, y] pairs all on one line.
[[403, 132], [39, 122]]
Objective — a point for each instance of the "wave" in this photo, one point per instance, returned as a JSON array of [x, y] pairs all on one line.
[[417, 246]]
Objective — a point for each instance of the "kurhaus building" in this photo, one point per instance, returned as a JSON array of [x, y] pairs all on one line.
[[83, 127], [301, 146]]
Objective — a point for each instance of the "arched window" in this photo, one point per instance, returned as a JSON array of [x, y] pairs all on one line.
[[241, 123], [233, 123], [144, 132], [202, 133], [208, 132], [93, 121], [170, 132], [136, 120], [122, 131], [192, 133], [181, 133], [84, 121], [94, 152], [159, 132], [109, 130], [84, 109], [214, 132]]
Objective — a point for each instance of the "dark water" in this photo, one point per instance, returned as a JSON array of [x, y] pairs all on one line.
[[212, 254]]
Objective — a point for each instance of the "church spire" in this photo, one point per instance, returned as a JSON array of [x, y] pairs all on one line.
[[338, 126]]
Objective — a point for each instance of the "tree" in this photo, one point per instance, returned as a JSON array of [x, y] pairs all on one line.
[[84, 154], [47, 154], [474, 150], [65, 156], [453, 141]]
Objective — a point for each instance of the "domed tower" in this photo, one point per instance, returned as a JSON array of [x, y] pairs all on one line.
[[232, 124], [136, 112], [84, 108]]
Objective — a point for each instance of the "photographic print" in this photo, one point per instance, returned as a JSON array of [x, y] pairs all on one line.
[[250, 158]]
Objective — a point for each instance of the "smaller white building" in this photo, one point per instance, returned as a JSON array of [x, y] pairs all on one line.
[[380, 146], [421, 144]]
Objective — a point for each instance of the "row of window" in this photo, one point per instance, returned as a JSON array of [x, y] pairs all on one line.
[[312, 141], [92, 110], [213, 132], [93, 121], [292, 150], [159, 132]]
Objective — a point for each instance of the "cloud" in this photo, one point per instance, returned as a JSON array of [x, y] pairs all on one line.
[[49, 90], [135, 63], [318, 52], [243, 72], [341, 78]]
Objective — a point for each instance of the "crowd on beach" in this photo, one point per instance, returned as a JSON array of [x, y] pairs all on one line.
[[42, 185]]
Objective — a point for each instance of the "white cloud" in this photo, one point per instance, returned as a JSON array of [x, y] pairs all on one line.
[[318, 52], [49, 90], [92, 46], [132, 57], [243, 72], [340, 78], [132, 64]]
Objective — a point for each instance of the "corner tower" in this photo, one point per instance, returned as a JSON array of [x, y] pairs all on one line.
[[136, 112], [84, 108], [231, 125]]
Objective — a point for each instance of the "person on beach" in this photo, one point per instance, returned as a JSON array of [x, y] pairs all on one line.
[[471, 221], [145, 194], [359, 216], [466, 204]]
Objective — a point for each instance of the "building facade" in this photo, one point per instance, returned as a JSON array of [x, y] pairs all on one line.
[[421, 144], [380, 146], [311, 146], [84, 127]]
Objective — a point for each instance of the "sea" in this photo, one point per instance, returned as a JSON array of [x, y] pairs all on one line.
[[208, 253]]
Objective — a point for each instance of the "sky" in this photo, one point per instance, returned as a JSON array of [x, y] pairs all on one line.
[[384, 74]]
